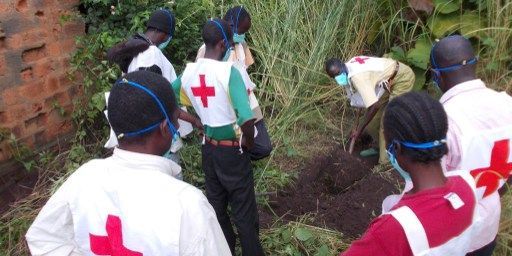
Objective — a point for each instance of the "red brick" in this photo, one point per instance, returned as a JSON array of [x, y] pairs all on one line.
[[75, 28], [34, 54], [51, 84], [68, 45], [27, 74], [32, 92], [11, 96], [43, 68], [5, 151], [15, 114]]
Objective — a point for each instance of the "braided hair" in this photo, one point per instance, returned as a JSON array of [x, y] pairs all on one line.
[[131, 109], [415, 117]]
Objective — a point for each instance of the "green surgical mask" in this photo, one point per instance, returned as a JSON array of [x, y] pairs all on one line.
[[163, 45], [238, 39]]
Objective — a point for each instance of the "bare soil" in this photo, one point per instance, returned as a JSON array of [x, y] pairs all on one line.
[[338, 189]]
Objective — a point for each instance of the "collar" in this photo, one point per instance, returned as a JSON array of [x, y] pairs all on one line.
[[145, 162], [461, 88]]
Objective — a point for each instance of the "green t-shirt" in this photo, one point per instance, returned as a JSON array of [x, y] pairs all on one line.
[[239, 100]]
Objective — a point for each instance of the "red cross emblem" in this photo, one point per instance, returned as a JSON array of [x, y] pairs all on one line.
[[112, 244], [359, 60], [489, 177], [203, 91]]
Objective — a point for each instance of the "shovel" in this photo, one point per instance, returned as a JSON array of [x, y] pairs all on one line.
[[354, 127]]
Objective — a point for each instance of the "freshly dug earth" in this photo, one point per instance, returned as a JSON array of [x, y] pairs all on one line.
[[339, 190]]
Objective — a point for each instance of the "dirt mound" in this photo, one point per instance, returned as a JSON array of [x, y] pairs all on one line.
[[339, 189]]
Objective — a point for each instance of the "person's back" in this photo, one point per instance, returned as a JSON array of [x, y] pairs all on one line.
[[129, 203], [480, 132], [437, 215]]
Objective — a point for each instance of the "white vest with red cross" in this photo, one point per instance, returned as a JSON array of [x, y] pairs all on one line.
[[361, 64], [206, 84], [415, 232], [488, 157]]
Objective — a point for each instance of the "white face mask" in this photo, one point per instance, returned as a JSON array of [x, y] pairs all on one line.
[[176, 144]]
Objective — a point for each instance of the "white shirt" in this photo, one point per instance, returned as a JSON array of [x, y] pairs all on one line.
[[133, 197], [153, 56], [473, 109]]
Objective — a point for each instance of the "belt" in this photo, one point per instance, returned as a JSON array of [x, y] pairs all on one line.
[[390, 79], [226, 143]]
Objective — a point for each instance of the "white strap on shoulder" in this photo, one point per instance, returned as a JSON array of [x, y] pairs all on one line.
[[413, 229]]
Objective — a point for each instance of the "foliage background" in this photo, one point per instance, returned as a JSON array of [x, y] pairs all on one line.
[[291, 40]]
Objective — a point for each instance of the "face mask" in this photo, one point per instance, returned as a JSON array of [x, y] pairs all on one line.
[[163, 45], [238, 38], [392, 159], [176, 145], [342, 79], [227, 54]]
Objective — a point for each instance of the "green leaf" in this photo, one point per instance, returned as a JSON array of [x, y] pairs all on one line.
[[286, 235], [322, 251], [303, 234], [440, 25], [471, 23], [419, 82], [420, 54], [447, 6]]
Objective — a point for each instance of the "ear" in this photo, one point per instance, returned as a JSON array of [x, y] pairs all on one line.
[[164, 129]]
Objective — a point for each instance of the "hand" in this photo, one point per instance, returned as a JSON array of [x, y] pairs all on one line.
[[198, 125]]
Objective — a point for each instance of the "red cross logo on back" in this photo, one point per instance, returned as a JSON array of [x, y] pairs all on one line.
[[489, 177], [112, 244], [203, 91], [359, 60]]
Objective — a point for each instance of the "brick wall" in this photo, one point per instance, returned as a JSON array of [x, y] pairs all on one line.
[[35, 47]]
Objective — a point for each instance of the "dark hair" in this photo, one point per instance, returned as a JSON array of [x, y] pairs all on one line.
[[236, 15], [123, 53], [332, 65], [130, 109], [212, 33], [416, 118], [162, 20]]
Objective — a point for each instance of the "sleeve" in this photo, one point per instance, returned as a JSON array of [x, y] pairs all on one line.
[[404, 81], [201, 232], [181, 97], [452, 160], [239, 97], [375, 240], [52, 232]]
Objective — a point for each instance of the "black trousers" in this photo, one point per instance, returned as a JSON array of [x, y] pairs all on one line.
[[484, 251], [229, 179], [262, 145]]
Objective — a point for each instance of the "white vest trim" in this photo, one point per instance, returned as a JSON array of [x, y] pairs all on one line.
[[417, 237], [214, 107]]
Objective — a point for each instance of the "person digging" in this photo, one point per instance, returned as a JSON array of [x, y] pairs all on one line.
[[370, 83]]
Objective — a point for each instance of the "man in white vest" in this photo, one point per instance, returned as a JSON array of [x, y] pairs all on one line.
[[436, 215], [480, 131], [129, 204], [240, 21], [216, 90], [370, 83], [144, 51]]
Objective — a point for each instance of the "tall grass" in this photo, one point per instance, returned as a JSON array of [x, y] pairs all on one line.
[[292, 39]]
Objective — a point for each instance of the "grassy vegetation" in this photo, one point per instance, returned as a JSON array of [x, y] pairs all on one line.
[[291, 40]]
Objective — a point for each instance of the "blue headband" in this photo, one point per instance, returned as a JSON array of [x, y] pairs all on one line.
[[226, 41], [452, 67], [426, 145], [237, 19], [173, 129], [172, 20]]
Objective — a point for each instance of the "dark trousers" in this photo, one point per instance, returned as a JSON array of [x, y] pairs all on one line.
[[262, 145], [484, 251], [229, 179]]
